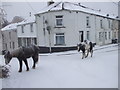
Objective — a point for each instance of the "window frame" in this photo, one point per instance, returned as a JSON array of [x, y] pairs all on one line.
[[105, 35], [88, 35], [109, 35], [22, 28], [87, 21], [59, 17], [101, 24], [31, 27], [100, 36], [58, 35]]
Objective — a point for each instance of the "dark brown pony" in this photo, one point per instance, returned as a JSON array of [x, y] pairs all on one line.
[[22, 54]]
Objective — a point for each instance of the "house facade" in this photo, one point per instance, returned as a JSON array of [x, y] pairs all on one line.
[[26, 32], [9, 37], [19, 34], [65, 24]]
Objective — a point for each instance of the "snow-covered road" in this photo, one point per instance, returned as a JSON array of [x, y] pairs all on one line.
[[68, 70]]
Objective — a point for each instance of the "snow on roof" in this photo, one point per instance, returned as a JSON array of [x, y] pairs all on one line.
[[10, 27], [14, 25], [73, 7], [27, 20]]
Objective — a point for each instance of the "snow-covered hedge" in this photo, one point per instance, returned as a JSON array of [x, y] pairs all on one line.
[[4, 71]]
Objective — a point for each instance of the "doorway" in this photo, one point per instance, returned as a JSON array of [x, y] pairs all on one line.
[[81, 35]]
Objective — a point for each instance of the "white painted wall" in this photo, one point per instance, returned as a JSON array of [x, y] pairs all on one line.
[[73, 23], [10, 40], [27, 31]]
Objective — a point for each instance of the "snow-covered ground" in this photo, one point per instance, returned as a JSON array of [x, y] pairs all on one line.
[[68, 70]]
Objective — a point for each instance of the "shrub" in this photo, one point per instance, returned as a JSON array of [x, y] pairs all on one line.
[[4, 72]]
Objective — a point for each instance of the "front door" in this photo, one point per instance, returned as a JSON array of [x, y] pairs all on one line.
[[81, 34]]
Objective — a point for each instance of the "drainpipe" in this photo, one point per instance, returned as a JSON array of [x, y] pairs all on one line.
[[95, 32]]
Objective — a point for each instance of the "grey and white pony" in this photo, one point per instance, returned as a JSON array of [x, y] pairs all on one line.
[[85, 47], [22, 54]]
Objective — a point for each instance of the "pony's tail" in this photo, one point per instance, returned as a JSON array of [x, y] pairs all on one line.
[[37, 50]]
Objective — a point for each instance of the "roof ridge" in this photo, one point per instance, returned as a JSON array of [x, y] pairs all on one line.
[[55, 5], [75, 7]]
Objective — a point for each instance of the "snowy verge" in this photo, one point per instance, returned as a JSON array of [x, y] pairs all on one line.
[[76, 52]]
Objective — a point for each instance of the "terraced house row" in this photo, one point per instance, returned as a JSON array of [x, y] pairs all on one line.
[[61, 25]]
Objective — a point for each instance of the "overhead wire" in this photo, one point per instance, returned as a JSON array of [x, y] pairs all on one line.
[[30, 6]]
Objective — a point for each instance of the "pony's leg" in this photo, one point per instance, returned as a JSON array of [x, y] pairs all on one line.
[[87, 53], [83, 55], [26, 63], [35, 59], [91, 53], [20, 69]]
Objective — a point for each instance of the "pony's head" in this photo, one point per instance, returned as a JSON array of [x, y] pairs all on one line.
[[7, 57]]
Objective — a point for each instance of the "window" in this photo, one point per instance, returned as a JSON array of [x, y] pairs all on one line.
[[100, 36], [59, 20], [109, 24], [105, 35], [101, 23], [19, 42], [60, 39], [88, 35], [28, 41], [109, 35], [10, 44], [24, 42], [13, 45], [10, 35], [115, 35], [34, 41], [6, 46], [31, 27], [22, 28], [87, 22]]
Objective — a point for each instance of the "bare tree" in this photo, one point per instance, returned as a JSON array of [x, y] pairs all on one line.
[[17, 19], [3, 20]]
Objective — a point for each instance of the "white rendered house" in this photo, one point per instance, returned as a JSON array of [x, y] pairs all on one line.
[[64, 24]]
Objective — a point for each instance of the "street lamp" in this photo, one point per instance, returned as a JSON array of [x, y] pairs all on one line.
[[49, 29]]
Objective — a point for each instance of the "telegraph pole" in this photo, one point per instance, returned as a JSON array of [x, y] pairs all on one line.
[[119, 22], [118, 45]]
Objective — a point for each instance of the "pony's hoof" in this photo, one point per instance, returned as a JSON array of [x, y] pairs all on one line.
[[27, 70], [20, 71], [33, 67]]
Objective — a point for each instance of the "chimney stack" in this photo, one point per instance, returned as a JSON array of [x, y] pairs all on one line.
[[30, 14], [50, 2]]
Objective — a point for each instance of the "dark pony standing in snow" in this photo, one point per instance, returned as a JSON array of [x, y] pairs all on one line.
[[22, 54], [85, 46]]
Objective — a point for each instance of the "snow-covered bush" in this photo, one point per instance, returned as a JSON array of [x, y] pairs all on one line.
[[4, 71]]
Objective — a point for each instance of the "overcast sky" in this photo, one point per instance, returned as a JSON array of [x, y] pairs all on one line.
[[23, 8]]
